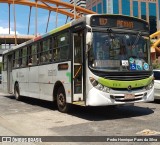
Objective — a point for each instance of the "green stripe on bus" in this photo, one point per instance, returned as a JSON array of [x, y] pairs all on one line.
[[125, 84], [68, 74], [60, 28]]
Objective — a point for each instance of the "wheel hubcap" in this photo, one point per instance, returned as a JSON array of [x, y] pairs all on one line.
[[61, 100]]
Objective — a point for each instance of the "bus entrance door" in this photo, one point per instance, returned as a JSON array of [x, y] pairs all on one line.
[[77, 67], [9, 73]]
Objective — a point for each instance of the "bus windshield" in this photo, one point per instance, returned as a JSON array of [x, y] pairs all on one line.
[[115, 52]]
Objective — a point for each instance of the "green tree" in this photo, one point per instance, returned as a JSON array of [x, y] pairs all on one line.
[[156, 64]]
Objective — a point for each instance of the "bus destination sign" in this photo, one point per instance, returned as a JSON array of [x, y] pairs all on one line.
[[127, 24], [119, 22]]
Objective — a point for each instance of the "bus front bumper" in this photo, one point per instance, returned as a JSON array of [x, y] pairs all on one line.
[[96, 97]]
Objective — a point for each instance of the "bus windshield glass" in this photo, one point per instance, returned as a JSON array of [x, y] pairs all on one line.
[[119, 52]]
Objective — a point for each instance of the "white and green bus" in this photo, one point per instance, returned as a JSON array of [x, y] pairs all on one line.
[[97, 60]]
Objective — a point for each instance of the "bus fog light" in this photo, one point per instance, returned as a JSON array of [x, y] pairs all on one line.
[[145, 94], [112, 97]]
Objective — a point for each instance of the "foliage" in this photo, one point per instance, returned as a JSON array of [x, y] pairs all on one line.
[[156, 64], [151, 42]]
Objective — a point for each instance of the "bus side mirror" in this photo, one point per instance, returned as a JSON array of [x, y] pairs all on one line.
[[89, 40]]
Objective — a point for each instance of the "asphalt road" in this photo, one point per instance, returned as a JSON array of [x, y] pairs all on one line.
[[32, 117]]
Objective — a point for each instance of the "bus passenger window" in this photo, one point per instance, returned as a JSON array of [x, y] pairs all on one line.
[[50, 56], [42, 58], [56, 54], [24, 57], [34, 57], [33, 60], [64, 53], [30, 61], [46, 57], [5, 62], [45, 45], [16, 64], [24, 60]]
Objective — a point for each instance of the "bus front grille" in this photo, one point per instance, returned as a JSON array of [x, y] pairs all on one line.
[[127, 77], [126, 89], [124, 76], [127, 97]]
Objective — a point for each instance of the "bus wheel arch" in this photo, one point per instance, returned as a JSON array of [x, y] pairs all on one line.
[[17, 91], [59, 95]]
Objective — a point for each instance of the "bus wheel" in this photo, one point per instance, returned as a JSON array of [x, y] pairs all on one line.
[[63, 106], [16, 92]]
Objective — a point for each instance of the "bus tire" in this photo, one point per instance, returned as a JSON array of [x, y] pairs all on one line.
[[17, 92], [62, 105]]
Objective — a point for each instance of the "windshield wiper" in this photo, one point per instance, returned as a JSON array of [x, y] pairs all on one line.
[[137, 38], [110, 31]]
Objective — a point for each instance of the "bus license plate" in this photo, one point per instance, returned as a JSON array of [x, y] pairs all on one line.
[[129, 96]]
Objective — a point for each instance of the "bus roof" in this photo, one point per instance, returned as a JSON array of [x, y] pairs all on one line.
[[39, 37], [85, 18]]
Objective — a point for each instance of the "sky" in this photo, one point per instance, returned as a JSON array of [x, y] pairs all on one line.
[[22, 18]]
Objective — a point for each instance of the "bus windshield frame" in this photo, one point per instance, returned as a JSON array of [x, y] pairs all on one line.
[[120, 50]]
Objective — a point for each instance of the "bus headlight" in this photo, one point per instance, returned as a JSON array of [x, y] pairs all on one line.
[[99, 86], [106, 89], [93, 82], [148, 87]]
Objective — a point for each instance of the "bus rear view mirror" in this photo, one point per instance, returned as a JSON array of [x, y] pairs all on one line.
[[88, 38], [88, 41]]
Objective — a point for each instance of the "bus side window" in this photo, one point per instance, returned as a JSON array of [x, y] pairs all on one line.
[[29, 56], [43, 48], [34, 58], [4, 62], [30, 61], [42, 58], [61, 49], [50, 54], [56, 50], [24, 57], [56, 54], [20, 57], [13, 63], [16, 64], [44, 54]]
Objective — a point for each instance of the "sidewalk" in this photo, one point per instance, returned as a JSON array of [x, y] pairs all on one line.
[[2, 93]]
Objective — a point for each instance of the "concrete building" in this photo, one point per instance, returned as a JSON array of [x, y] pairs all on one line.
[[81, 3], [143, 9], [7, 41]]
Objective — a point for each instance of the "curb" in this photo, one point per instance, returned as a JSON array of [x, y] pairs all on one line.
[[2, 93]]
